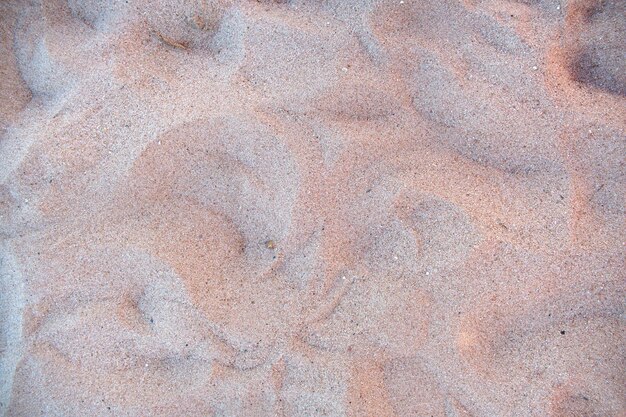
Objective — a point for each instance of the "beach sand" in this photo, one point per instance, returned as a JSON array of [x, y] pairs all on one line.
[[312, 208]]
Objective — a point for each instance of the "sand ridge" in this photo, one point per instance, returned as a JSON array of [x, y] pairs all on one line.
[[312, 208]]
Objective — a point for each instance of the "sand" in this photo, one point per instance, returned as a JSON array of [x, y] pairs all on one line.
[[312, 208]]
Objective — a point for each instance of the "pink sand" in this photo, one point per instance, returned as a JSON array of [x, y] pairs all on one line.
[[312, 208]]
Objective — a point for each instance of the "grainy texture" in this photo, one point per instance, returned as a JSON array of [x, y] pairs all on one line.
[[312, 208]]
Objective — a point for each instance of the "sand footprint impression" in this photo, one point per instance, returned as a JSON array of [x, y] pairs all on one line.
[[384, 300], [378, 310], [213, 199]]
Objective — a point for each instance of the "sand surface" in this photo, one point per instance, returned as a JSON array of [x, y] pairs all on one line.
[[313, 208]]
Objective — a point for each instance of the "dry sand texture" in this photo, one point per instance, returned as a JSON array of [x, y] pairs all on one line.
[[312, 208]]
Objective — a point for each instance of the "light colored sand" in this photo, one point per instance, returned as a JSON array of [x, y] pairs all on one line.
[[312, 208]]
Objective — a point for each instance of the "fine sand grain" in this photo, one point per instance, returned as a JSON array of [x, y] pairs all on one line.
[[313, 208]]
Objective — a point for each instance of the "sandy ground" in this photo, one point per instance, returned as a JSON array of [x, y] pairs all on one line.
[[312, 208]]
